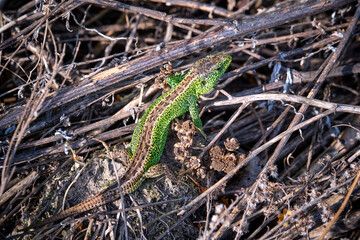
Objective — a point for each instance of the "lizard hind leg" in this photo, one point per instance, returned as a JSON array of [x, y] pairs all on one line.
[[124, 155], [160, 169]]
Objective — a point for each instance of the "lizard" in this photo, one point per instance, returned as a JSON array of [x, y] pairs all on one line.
[[149, 136]]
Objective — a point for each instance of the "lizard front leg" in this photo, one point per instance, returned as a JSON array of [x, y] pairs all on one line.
[[195, 115]]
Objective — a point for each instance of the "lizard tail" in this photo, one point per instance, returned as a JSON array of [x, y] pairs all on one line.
[[90, 203]]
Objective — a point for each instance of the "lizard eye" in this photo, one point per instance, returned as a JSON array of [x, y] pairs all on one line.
[[218, 68]]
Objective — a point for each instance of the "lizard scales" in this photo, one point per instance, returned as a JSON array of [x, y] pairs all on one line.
[[149, 137]]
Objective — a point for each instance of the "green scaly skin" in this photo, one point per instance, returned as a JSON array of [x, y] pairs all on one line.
[[149, 137]]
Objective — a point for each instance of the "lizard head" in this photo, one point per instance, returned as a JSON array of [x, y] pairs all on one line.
[[208, 70]]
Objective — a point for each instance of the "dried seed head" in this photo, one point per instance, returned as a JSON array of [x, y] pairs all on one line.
[[216, 152], [201, 172], [194, 162], [217, 165], [180, 152], [230, 162], [231, 144]]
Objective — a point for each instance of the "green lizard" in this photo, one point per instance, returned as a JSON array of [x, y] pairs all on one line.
[[149, 137]]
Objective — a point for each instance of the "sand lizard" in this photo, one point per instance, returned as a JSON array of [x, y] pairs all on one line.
[[149, 137]]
